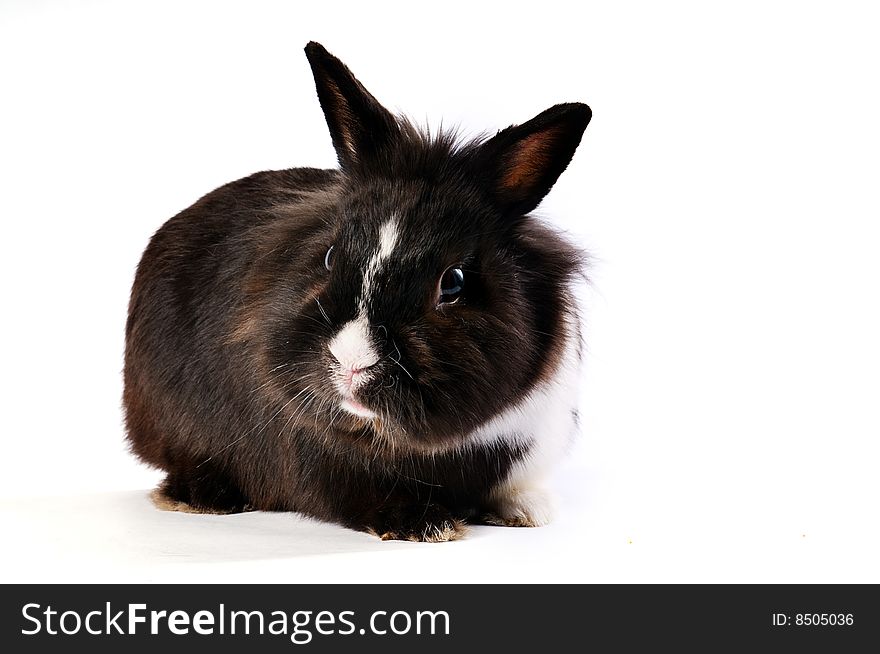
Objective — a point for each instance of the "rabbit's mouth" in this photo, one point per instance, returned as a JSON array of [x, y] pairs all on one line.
[[353, 406], [348, 381]]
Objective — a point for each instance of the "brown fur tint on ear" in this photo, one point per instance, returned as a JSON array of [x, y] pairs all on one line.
[[529, 157], [346, 138], [525, 161]]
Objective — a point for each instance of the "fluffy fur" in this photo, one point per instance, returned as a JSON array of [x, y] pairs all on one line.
[[231, 386]]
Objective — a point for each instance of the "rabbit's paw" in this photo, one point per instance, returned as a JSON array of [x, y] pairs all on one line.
[[520, 508], [430, 523]]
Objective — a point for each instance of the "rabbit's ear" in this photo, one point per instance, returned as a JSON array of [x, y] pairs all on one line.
[[359, 125], [521, 163]]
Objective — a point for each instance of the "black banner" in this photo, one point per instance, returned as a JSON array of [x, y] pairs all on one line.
[[431, 618]]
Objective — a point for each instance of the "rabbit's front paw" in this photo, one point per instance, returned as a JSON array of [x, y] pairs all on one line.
[[520, 508], [430, 523]]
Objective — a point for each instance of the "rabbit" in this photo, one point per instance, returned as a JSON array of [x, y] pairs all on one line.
[[392, 346]]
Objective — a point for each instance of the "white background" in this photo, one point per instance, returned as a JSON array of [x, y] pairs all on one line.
[[727, 188]]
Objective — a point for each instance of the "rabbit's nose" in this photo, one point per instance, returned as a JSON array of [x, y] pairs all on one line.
[[353, 349], [351, 377]]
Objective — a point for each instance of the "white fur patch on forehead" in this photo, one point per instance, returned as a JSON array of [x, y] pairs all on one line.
[[352, 345], [388, 235], [387, 238]]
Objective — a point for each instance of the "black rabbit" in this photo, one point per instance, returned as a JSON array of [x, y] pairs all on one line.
[[392, 346]]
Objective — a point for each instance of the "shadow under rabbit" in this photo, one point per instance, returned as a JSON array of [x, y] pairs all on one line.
[[127, 527]]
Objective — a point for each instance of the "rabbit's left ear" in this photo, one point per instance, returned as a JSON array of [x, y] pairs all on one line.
[[359, 125], [521, 164]]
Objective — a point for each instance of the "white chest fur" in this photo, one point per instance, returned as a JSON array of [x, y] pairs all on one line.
[[543, 423]]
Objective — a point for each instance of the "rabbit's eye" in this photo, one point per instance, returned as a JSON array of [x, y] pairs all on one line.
[[451, 285], [328, 258]]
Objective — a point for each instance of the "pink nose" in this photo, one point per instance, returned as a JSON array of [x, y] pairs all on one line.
[[350, 376]]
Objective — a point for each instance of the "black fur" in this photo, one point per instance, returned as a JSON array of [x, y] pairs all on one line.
[[228, 378]]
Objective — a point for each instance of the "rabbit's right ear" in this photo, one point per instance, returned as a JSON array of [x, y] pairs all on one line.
[[359, 125]]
